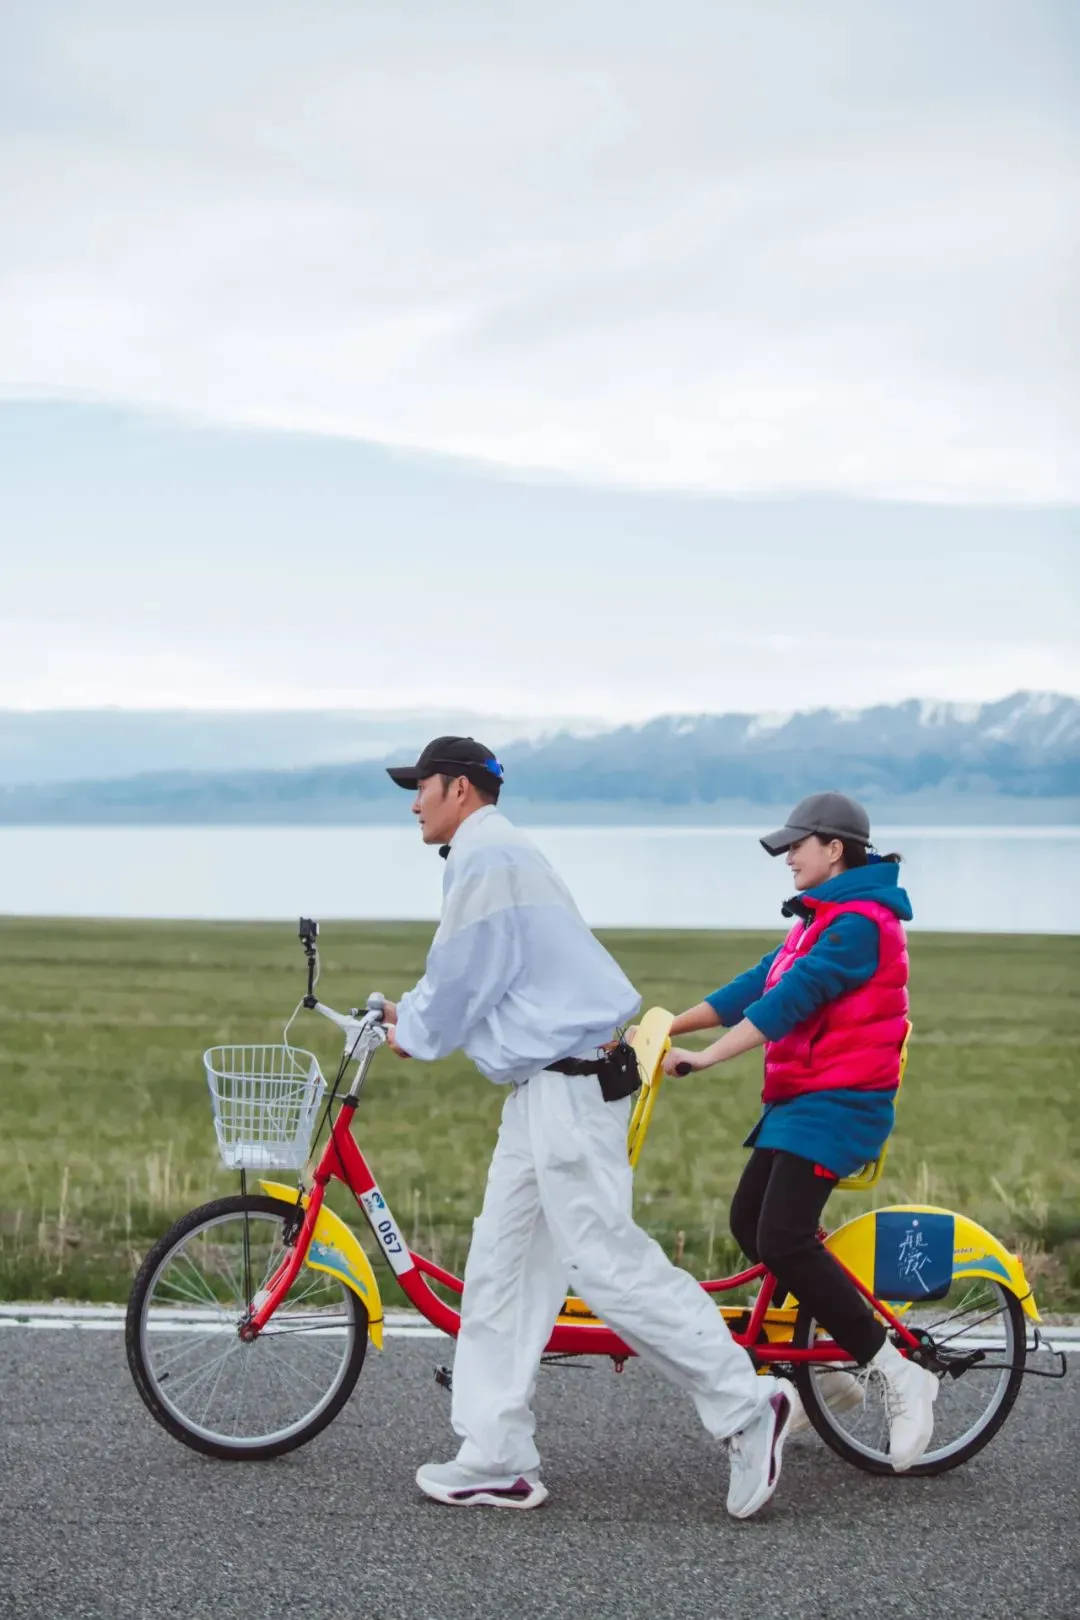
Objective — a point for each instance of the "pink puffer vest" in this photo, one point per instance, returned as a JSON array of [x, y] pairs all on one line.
[[853, 1042]]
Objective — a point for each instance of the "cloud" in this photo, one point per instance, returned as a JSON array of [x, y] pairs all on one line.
[[769, 248], [158, 565]]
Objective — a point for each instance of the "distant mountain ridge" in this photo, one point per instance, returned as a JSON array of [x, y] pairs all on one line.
[[1021, 749], [1026, 745], [76, 745]]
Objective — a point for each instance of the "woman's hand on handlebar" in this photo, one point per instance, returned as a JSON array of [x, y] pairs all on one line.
[[744, 1037], [681, 1061], [389, 1011]]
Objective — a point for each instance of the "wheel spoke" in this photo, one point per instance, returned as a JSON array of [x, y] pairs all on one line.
[[214, 1386], [313, 1281], [294, 1370], [194, 1376], [973, 1293], [969, 1327], [197, 1296], [199, 1277], [232, 1278], [272, 1364], [188, 1345]]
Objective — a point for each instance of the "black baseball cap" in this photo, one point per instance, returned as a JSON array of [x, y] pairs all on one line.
[[831, 815], [452, 756]]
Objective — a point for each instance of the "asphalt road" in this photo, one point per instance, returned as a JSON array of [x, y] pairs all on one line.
[[103, 1515]]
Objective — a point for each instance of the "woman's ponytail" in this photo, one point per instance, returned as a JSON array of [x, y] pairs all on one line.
[[857, 854]]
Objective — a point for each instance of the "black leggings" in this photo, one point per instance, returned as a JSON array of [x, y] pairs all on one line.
[[774, 1218]]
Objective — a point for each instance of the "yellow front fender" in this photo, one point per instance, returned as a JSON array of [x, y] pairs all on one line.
[[872, 1245], [336, 1250]]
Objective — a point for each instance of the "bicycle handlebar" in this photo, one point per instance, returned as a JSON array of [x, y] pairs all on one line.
[[684, 1068], [353, 1027], [364, 1032], [342, 1020]]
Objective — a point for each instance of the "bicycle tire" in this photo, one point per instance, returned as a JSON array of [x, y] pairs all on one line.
[[944, 1459], [149, 1383]]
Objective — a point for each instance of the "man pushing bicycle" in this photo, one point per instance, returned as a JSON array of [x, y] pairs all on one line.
[[516, 980]]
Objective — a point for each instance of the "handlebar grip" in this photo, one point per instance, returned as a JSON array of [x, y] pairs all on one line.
[[684, 1068]]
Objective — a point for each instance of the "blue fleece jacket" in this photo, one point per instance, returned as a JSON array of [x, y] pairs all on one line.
[[838, 1129]]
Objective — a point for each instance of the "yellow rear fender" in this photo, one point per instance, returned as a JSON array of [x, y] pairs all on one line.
[[909, 1252], [336, 1250]]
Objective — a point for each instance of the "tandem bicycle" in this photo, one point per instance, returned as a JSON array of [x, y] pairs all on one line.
[[249, 1320]]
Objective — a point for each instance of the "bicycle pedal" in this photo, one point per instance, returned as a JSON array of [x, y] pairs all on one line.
[[444, 1377]]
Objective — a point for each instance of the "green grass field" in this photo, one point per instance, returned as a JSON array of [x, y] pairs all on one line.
[[105, 1120]]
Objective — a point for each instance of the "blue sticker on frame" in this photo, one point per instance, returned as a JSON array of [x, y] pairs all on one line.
[[913, 1255]]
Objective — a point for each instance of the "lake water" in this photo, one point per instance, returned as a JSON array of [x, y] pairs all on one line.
[[994, 879]]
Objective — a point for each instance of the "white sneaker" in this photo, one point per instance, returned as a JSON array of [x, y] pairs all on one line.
[[756, 1450], [839, 1390], [910, 1392], [461, 1487]]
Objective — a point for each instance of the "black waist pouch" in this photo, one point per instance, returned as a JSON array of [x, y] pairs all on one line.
[[616, 1069], [619, 1074]]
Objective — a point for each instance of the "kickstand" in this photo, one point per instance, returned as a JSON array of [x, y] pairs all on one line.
[[570, 1362], [444, 1376]]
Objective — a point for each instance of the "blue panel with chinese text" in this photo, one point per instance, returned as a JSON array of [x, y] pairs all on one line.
[[913, 1255]]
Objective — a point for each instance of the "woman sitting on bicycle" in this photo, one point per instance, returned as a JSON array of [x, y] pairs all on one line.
[[830, 1007]]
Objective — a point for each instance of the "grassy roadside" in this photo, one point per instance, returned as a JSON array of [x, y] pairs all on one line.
[[105, 1133]]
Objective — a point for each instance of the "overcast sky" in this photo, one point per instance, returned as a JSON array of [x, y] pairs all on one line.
[[655, 256]]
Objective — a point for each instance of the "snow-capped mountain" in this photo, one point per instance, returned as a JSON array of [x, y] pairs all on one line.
[[1027, 745], [1023, 748]]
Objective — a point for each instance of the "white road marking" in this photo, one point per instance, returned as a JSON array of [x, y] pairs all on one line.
[[185, 1319], [396, 1324]]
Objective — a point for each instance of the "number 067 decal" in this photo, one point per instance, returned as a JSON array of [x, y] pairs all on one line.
[[385, 1229]]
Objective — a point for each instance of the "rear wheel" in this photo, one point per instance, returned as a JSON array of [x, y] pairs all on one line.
[[202, 1382], [976, 1334]]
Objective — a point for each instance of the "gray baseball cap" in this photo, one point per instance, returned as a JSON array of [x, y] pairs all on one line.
[[832, 815]]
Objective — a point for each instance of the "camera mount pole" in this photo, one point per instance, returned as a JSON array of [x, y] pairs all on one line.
[[309, 939]]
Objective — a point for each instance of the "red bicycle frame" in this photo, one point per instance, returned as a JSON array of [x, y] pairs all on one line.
[[343, 1161]]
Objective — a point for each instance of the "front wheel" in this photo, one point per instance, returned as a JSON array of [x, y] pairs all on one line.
[[202, 1382], [977, 1335]]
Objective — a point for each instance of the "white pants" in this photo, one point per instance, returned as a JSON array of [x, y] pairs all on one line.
[[557, 1210]]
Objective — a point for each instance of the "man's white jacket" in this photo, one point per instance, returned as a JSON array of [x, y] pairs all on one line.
[[513, 977]]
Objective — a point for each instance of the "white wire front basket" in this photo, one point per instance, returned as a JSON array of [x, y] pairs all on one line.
[[265, 1099]]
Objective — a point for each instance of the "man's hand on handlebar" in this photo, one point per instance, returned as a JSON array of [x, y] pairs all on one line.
[[391, 1041], [389, 1011]]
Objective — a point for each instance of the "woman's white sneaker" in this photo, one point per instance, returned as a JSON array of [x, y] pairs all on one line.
[[910, 1392], [461, 1487]]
